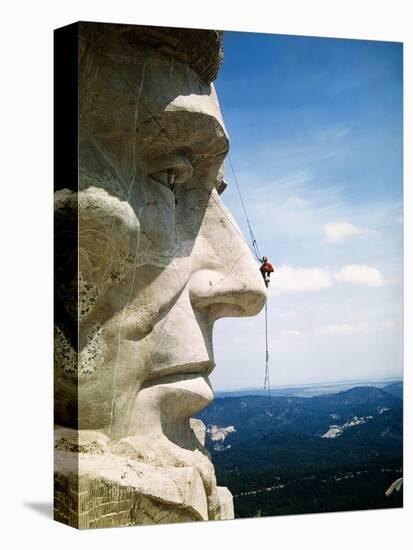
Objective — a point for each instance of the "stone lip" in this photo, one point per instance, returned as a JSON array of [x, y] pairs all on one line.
[[172, 392], [174, 373]]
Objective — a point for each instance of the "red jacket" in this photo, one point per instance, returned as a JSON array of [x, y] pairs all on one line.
[[267, 268]]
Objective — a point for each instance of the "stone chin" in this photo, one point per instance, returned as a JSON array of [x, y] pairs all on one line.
[[179, 398], [156, 468], [163, 408], [185, 393]]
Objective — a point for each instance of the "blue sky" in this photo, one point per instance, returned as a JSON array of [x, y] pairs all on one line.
[[315, 126]]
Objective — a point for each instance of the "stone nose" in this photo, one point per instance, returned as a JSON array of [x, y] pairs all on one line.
[[218, 294], [229, 284]]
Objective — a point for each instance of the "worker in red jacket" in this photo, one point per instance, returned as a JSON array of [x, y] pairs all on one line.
[[266, 270]]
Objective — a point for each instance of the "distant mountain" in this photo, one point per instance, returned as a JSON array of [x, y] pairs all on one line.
[[308, 390], [254, 416], [395, 389], [307, 454], [363, 395]]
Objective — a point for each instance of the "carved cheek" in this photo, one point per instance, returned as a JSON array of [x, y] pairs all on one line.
[[109, 233], [155, 205]]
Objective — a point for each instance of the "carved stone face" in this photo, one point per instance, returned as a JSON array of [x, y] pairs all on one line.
[[160, 257]]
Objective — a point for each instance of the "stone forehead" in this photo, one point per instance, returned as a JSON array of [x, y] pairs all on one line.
[[201, 49]]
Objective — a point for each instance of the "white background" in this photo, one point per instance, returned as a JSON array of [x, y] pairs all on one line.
[[26, 270]]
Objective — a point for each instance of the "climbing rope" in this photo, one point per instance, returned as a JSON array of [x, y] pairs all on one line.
[[267, 384], [253, 239], [256, 250]]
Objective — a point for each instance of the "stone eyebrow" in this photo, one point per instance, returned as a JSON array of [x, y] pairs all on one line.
[[200, 133]]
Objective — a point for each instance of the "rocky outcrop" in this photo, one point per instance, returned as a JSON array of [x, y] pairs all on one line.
[[103, 485]]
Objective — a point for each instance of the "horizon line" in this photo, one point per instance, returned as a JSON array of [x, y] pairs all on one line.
[[309, 384]]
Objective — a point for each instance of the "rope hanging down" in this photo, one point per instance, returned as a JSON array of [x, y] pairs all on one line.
[[257, 253], [267, 360], [253, 239]]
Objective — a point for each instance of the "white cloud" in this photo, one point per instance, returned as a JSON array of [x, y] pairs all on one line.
[[338, 329], [290, 333], [340, 232], [288, 279], [360, 275], [387, 324], [342, 329]]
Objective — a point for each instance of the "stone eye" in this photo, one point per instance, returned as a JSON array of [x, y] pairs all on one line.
[[168, 178], [172, 171]]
